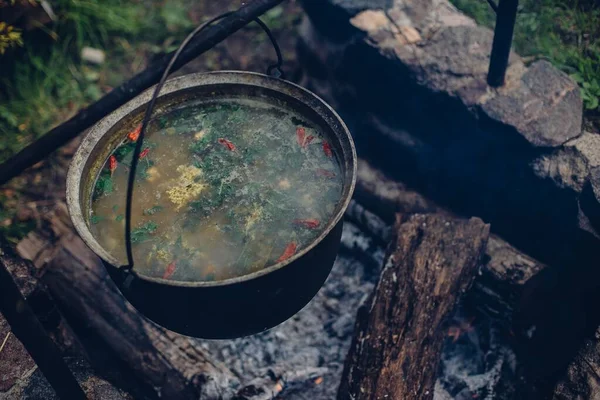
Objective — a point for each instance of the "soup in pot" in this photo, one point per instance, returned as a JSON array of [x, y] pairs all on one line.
[[223, 188]]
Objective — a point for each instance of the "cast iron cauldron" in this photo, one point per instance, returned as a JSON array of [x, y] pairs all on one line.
[[233, 307]]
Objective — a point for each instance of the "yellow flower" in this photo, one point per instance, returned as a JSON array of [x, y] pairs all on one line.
[[153, 174], [186, 187], [253, 218], [200, 134], [163, 256], [9, 37]]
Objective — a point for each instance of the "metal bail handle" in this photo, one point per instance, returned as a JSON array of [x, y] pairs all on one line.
[[274, 70]]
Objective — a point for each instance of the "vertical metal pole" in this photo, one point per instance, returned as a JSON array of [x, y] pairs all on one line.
[[29, 330], [506, 16]]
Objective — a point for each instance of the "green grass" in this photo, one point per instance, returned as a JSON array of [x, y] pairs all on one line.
[[565, 32], [12, 228], [45, 82]]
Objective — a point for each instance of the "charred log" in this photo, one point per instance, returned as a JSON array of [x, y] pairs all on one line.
[[399, 331], [508, 276], [582, 378]]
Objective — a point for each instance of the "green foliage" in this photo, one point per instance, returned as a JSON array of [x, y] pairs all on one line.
[[96, 219], [143, 233], [45, 82], [9, 37], [277, 19], [17, 230], [274, 18], [91, 22], [566, 32], [479, 10], [104, 184], [175, 18], [12, 227], [123, 151], [153, 210], [590, 91]]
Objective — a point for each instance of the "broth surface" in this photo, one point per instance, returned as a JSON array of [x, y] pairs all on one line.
[[223, 189]]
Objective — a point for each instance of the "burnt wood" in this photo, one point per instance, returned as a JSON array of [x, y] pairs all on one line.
[[582, 377], [399, 332], [509, 278], [29, 330], [173, 356], [130, 351]]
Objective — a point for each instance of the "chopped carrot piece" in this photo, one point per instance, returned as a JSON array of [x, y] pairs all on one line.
[[308, 223], [135, 134], [170, 270], [289, 251], [230, 146], [325, 173], [112, 163], [144, 152], [327, 149], [300, 135]]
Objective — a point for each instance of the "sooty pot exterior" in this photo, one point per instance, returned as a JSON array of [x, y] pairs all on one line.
[[237, 309], [234, 307]]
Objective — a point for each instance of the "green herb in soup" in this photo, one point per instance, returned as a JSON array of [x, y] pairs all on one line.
[[223, 189]]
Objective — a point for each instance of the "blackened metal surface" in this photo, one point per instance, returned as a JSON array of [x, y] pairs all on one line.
[[238, 306]]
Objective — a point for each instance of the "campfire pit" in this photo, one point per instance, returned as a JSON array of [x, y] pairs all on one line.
[[304, 357], [449, 322]]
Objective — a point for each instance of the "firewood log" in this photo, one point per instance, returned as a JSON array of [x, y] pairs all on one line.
[[399, 332]]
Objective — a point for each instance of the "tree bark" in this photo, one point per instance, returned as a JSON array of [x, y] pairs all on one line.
[[147, 359], [399, 332]]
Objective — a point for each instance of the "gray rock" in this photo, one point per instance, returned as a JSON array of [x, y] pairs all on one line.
[[566, 167], [92, 55], [545, 107], [574, 164], [540, 102], [413, 88], [587, 147], [456, 60]]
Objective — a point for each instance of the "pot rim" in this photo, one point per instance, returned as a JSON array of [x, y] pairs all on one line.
[[97, 132]]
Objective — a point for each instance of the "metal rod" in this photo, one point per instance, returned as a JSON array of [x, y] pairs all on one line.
[[30, 332], [506, 16], [60, 135]]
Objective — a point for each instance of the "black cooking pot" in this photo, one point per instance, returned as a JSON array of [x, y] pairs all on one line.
[[234, 307]]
